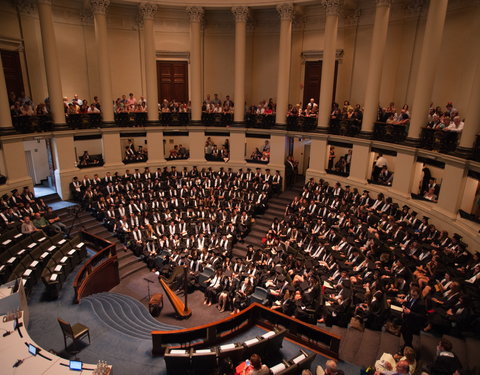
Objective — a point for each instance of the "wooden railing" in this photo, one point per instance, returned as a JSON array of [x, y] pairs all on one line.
[[438, 140], [100, 272], [392, 133], [301, 123], [84, 120], [211, 334]]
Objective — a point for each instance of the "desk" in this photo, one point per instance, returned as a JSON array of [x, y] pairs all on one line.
[[13, 347]]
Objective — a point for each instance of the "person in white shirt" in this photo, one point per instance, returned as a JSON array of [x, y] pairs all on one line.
[[456, 125], [93, 109]]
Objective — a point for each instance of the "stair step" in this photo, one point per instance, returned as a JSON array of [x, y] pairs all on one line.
[[131, 269]]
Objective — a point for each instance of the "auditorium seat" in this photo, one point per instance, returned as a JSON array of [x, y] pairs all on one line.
[[204, 276], [202, 360], [260, 295], [178, 361], [232, 351], [303, 360]]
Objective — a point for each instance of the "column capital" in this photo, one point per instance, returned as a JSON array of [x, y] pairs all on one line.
[[240, 13], [384, 3], [352, 18], [286, 11], [414, 6], [195, 14], [99, 6], [25, 6], [332, 7], [147, 10]]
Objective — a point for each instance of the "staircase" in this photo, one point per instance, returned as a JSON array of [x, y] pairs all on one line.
[[128, 263], [364, 348], [276, 208], [124, 315]]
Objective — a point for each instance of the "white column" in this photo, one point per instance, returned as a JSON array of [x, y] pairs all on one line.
[[52, 66], [237, 146], [404, 173], [472, 114], [196, 17], [5, 118], [147, 12], [432, 41], [377, 52], [451, 192], [360, 163], [328, 65], [241, 16], [318, 156], [99, 8], [286, 13], [155, 147]]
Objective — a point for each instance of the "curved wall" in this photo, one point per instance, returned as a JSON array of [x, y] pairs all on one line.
[[455, 193]]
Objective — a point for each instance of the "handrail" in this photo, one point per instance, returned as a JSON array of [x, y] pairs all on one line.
[[106, 257], [212, 333]]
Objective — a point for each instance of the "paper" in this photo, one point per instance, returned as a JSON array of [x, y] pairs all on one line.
[[71, 252], [251, 342], [51, 248], [34, 263], [11, 260], [299, 358], [42, 239], [326, 284], [396, 308], [381, 364], [58, 268], [227, 347], [268, 334], [61, 242], [6, 242], [64, 260], [32, 245], [79, 245], [54, 277], [27, 273], [44, 255]]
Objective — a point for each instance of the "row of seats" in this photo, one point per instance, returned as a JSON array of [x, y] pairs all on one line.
[[207, 361], [29, 257], [302, 361], [22, 249], [68, 254]]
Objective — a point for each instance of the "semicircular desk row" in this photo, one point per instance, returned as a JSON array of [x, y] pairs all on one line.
[[19, 354]]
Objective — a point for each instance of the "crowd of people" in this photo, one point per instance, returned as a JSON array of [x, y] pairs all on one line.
[[193, 216], [32, 214], [261, 154], [216, 153], [342, 165], [216, 105], [173, 106], [178, 152], [135, 155], [362, 255], [391, 115], [447, 120], [346, 112]]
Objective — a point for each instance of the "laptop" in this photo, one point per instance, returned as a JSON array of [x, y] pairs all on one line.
[[75, 365]]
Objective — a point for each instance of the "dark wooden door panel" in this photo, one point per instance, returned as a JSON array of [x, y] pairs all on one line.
[[13, 71], [313, 80], [173, 80]]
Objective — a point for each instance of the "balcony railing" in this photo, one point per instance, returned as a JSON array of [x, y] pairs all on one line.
[[393, 133], [260, 121], [174, 118], [301, 123], [217, 119], [439, 140], [349, 128], [84, 120], [129, 119], [30, 124]]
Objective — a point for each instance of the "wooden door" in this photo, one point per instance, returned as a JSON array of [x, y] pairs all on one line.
[[313, 80], [13, 71], [172, 79]]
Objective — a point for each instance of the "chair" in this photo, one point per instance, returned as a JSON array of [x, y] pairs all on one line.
[[260, 295], [75, 332]]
